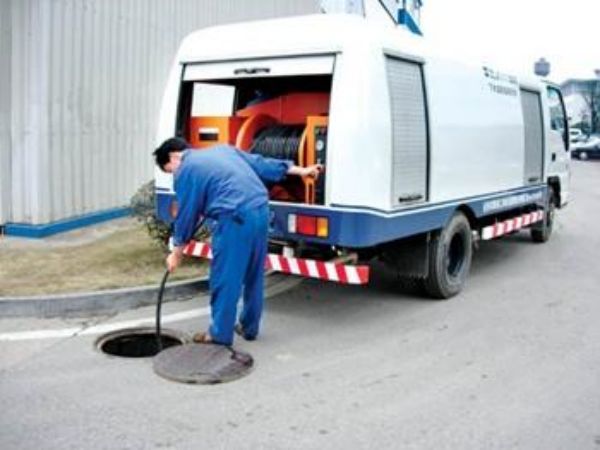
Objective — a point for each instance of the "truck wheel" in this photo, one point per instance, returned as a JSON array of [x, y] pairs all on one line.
[[583, 156], [450, 253], [541, 231]]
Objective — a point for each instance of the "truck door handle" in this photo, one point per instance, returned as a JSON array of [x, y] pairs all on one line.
[[410, 198], [553, 157]]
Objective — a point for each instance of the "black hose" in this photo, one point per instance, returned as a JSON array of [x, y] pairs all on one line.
[[161, 291]]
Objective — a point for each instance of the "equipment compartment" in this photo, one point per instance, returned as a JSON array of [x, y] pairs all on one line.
[[282, 117]]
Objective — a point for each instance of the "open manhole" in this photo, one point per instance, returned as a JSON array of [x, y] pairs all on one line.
[[137, 342]]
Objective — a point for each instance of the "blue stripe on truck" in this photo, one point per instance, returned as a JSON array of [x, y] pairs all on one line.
[[359, 227], [163, 206]]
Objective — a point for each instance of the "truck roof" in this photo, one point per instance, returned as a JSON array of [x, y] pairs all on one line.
[[316, 33], [311, 34]]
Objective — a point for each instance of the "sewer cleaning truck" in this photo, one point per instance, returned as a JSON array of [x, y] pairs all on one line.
[[423, 156]]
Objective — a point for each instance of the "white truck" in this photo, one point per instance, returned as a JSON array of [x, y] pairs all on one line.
[[423, 155]]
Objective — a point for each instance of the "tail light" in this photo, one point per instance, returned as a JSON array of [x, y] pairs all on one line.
[[308, 225]]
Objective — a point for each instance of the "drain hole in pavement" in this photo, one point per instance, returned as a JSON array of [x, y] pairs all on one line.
[[136, 343]]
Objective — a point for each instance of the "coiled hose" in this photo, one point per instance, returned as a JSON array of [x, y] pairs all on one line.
[[279, 142]]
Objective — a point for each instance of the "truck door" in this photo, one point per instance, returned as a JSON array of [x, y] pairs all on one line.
[[558, 143], [534, 136]]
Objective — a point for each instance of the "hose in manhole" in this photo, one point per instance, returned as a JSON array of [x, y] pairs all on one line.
[[137, 342]]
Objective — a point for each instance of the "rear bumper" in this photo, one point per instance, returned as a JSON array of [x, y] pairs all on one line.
[[308, 268]]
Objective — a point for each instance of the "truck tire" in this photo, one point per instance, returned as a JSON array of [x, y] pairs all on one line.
[[541, 231], [583, 156], [450, 253]]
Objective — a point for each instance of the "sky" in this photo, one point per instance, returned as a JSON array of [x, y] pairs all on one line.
[[512, 34]]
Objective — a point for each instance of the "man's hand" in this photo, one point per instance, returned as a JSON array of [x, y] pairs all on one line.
[[313, 171], [308, 171], [174, 259]]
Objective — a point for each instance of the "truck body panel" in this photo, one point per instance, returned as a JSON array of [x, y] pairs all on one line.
[[410, 138], [360, 227]]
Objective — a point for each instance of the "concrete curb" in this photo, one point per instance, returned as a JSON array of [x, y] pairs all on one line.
[[97, 303]]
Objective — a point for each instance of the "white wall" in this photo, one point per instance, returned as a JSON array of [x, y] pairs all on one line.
[[5, 83], [87, 80]]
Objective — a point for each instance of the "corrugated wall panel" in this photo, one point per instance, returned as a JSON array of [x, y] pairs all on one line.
[[5, 111], [19, 202], [29, 114], [88, 77]]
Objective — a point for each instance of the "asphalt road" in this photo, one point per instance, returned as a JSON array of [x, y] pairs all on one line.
[[513, 362]]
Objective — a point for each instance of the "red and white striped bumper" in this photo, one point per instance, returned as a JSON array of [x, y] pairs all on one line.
[[511, 225], [310, 268]]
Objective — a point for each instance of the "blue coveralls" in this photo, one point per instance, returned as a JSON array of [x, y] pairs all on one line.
[[227, 186]]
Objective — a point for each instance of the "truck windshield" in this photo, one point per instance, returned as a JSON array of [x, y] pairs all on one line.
[[558, 116]]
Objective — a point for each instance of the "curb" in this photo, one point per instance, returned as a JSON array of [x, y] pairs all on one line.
[[97, 303]]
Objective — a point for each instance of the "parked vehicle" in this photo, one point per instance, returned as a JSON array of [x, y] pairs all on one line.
[[423, 155], [575, 135], [589, 148]]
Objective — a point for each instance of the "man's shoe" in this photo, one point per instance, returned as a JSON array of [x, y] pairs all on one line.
[[239, 330], [203, 337]]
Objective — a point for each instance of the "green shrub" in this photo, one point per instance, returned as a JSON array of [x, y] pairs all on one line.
[[143, 208]]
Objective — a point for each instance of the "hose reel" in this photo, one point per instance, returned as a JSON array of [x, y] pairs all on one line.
[[279, 142], [262, 134]]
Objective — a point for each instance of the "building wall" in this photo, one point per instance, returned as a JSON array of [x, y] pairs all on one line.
[[5, 84], [86, 82], [577, 108]]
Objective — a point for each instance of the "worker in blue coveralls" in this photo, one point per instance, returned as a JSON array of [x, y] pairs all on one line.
[[226, 185]]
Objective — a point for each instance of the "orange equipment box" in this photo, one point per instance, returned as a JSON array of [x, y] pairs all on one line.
[[207, 131], [290, 109]]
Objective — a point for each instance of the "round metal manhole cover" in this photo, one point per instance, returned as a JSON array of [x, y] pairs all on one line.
[[202, 364], [137, 342]]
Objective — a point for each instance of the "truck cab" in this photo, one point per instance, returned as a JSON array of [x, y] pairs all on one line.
[[558, 152]]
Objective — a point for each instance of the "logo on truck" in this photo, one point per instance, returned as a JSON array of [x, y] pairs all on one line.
[[513, 200], [501, 83]]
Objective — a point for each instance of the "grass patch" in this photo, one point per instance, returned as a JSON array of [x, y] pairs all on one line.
[[125, 258]]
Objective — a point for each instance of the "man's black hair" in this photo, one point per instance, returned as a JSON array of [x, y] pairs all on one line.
[[174, 144]]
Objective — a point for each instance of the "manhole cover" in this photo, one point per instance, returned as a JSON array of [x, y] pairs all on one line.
[[137, 342], [202, 364]]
